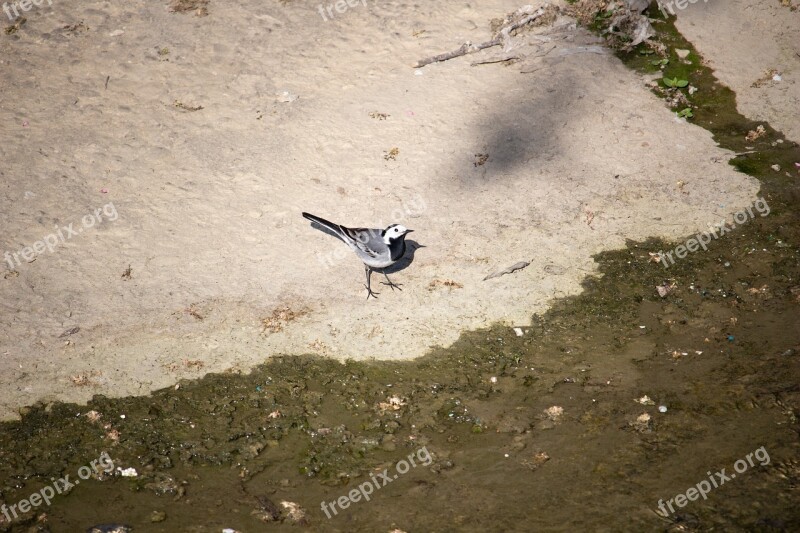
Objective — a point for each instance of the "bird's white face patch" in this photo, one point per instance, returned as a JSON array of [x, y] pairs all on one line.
[[394, 232]]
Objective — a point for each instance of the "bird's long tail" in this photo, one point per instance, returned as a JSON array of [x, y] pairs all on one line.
[[335, 228]]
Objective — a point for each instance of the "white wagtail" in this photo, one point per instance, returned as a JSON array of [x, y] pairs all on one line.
[[377, 248]]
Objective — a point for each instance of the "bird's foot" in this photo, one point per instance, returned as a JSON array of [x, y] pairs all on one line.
[[372, 293], [392, 285]]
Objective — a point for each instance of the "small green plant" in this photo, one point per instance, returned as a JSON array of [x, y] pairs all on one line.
[[674, 82], [660, 62], [686, 113]]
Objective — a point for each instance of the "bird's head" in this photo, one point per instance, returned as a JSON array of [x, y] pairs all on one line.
[[395, 232]]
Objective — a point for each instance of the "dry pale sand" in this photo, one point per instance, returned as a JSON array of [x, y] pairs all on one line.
[[97, 104]]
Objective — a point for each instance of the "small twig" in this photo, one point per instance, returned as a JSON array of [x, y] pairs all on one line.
[[501, 37], [107, 78], [495, 60], [464, 49]]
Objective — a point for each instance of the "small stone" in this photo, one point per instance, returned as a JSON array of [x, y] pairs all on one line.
[[158, 516], [683, 54], [776, 168], [662, 408]]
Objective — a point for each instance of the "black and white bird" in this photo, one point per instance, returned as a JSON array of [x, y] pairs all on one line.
[[377, 248]]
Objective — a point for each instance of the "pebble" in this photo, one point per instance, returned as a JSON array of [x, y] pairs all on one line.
[[662, 408]]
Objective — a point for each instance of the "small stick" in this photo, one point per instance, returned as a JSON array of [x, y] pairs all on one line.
[[107, 78], [467, 48]]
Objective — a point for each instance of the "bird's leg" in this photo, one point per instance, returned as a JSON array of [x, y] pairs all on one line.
[[369, 290], [392, 285]]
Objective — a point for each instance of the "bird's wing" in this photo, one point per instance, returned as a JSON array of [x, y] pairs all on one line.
[[368, 241]]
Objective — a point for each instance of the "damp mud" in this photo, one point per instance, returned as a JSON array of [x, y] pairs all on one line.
[[610, 410]]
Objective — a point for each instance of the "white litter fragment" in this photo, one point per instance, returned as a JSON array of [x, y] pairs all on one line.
[[519, 332], [127, 472], [645, 400]]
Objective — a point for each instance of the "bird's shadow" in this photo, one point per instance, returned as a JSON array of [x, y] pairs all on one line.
[[407, 259]]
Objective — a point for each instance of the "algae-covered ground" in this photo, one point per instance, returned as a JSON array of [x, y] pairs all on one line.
[[611, 404]]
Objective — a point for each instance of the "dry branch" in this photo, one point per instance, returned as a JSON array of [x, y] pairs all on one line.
[[503, 36]]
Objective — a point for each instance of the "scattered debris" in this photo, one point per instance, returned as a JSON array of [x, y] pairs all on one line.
[[509, 270], [379, 116], [664, 289], [589, 216], [768, 76], [199, 7], [642, 423], [193, 363], [392, 404], [502, 34], [127, 472], [752, 135], [480, 160], [554, 412], [185, 107], [126, 274], [110, 528], [84, 380], [450, 284], [71, 331], [267, 510], [75, 28], [296, 513], [391, 154], [191, 311], [279, 318], [538, 460], [112, 434], [645, 400], [14, 28]]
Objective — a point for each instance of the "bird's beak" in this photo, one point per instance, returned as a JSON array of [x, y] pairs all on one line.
[[409, 231]]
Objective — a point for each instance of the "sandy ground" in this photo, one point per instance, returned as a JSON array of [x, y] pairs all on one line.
[[201, 261]]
